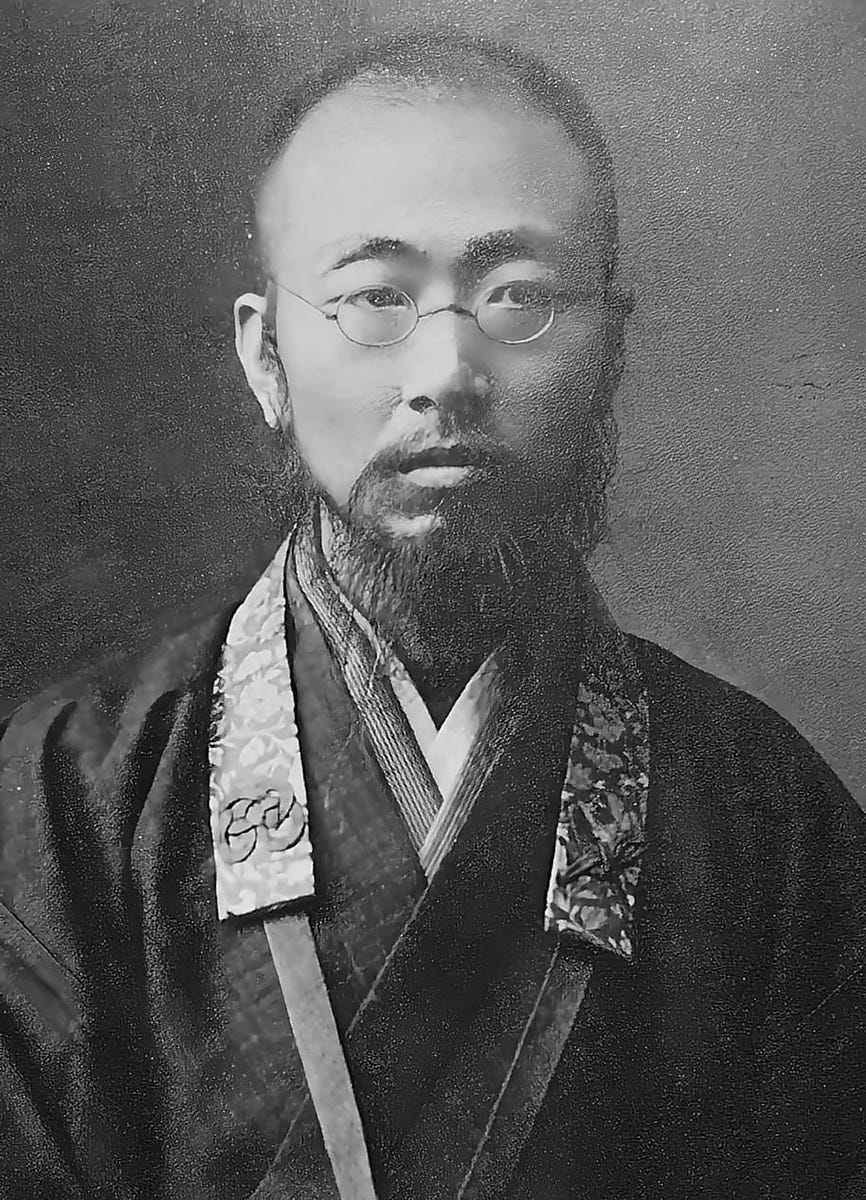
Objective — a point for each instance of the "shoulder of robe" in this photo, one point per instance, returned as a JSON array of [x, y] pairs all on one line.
[[96, 711], [760, 891], [77, 762], [740, 790], [718, 718]]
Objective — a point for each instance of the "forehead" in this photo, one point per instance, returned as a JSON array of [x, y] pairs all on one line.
[[432, 169]]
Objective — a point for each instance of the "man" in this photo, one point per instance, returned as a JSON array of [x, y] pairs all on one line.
[[410, 875]]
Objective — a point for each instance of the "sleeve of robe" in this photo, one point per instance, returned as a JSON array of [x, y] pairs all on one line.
[[760, 814], [814, 1060], [60, 883], [85, 1100]]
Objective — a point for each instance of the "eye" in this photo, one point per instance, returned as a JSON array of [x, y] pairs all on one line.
[[378, 298], [521, 294], [377, 315]]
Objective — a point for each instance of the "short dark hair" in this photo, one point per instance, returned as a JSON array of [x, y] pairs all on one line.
[[431, 56]]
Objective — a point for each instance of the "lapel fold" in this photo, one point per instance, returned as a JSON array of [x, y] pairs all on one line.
[[470, 1135]]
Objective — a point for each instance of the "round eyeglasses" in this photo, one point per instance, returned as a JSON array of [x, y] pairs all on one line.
[[512, 313]]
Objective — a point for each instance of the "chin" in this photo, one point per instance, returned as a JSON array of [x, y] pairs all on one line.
[[412, 527], [465, 525], [405, 517]]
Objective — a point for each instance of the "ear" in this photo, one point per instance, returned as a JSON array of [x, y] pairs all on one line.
[[261, 365]]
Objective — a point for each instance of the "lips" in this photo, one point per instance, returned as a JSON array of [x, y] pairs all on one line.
[[443, 456]]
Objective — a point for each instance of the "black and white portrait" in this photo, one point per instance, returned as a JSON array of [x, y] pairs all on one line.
[[432, 649]]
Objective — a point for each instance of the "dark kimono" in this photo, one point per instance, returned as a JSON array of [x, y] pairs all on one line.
[[145, 1049]]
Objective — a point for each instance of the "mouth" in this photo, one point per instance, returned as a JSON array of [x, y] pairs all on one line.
[[442, 466]]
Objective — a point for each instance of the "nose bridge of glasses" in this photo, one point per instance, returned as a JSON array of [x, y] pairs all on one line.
[[459, 310], [453, 339]]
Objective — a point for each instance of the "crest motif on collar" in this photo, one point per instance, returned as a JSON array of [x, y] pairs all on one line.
[[258, 807], [263, 857]]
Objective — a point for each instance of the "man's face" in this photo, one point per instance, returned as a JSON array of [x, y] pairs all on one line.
[[443, 198]]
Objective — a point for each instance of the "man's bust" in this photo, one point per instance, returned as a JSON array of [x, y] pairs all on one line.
[[409, 874]]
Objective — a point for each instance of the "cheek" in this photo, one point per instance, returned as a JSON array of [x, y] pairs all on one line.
[[339, 401], [544, 401]]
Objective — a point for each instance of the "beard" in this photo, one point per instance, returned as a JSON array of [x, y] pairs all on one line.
[[507, 546]]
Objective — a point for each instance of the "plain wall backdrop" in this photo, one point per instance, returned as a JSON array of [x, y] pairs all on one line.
[[136, 478]]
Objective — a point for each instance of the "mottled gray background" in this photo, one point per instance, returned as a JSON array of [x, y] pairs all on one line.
[[135, 479]]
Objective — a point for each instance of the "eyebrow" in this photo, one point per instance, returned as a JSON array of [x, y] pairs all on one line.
[[490, 250], [378, 247]]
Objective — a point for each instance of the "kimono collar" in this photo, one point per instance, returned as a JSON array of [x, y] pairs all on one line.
[[258, 806]]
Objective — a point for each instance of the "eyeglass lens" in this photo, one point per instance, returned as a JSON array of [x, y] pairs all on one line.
[[514, 312], [377, 316]]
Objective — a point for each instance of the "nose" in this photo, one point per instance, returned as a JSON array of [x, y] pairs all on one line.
[[444, 369]]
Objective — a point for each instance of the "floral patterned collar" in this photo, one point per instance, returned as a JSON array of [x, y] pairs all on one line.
[[258, 806]]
